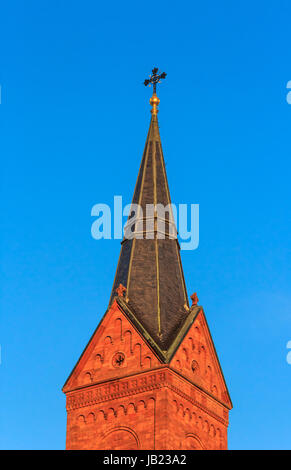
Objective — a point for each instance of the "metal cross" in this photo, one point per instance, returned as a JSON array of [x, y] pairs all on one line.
[[155, 78], [119, 360]]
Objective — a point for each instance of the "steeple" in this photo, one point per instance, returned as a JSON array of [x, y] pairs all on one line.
[[149, 265], [151, 356]]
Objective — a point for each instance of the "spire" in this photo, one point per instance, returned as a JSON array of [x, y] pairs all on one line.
[[149, 265]]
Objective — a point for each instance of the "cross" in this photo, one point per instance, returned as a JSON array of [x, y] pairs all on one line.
[[155, 78], [119, 360]]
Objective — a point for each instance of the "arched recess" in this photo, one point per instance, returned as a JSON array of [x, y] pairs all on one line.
[[138, 348], [128, 341], [91, 418], [108, 340], [118, 325], [88, 377], [192, 442], [120, 438], [98, 361], [147, 362], [81, 419]]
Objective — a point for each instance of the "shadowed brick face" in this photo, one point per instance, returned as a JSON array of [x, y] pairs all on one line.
[[149, 377]]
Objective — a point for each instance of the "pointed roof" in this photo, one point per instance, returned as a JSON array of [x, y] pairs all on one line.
[[149, 265]]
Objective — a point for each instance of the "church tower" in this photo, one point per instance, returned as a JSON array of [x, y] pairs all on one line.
[[149, 378]]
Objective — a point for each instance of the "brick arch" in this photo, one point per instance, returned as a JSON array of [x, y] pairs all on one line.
[[200, 422], [147, 362], [91, 418], [121, 411], [98, 361], [108, 340], [111, 413], [190, 340], [212, 431], [100, 415], [140, 405], [88, 377], [81, 419], [120, 438], [138, 347], [195, 367], [118, 324], [209, 370], [203, 355], [192, 442], [151, 401], [175, 405], [202, 349], [187, 414], [219, 438], [128, 334], [214, 390], [206, 426], [186, 355], [181, 409], [131, 408]]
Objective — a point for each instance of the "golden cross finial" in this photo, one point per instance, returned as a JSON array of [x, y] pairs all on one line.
[[155, 78]]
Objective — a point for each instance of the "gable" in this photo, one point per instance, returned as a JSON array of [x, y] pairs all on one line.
[[115, 350], [196, 359]]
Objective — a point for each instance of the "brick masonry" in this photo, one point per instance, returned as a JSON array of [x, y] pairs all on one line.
[[121, 395]]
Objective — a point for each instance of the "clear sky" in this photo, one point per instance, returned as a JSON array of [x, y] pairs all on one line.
[[74, 117]]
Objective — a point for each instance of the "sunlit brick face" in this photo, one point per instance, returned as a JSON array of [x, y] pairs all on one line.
[[122, 396]]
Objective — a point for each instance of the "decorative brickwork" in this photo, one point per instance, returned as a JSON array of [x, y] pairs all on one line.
[[143, 403], [114, 338], [196, 359]]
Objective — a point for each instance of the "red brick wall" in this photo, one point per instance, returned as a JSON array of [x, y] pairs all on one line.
[[115, 334], [196, 360], [154, 410], [144, 404]]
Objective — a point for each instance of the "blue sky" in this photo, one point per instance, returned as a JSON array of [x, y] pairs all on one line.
[[74, 117]]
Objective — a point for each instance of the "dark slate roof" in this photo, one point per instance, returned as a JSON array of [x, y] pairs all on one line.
[[151, 269]]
